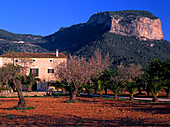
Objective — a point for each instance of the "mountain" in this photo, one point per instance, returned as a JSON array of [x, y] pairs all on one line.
[[129, 36], [73, 38], [142, 24], [20, 42]]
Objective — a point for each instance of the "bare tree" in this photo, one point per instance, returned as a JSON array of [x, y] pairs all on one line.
[[78, 70], [129, 73], [130, 76]]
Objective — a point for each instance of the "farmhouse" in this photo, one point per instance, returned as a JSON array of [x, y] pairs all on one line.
[[41, 64]]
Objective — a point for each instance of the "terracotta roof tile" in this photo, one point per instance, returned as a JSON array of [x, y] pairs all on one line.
[[34, 55]]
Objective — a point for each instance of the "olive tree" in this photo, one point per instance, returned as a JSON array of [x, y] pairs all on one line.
[[14, 72]]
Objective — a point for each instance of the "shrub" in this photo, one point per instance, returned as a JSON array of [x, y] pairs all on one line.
[[3, 88]]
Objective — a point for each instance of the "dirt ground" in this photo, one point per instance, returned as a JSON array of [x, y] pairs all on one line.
[[51, 111]]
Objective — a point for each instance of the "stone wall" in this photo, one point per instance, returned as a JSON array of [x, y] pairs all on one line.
[[43, 64], [14, 94]]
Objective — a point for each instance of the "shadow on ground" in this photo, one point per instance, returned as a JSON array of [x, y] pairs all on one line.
[[69, 120]]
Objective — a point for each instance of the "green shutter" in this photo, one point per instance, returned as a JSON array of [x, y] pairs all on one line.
[[36, 72], [30, 71]]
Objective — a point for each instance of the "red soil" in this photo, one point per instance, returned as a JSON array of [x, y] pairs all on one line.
[[50, 111]]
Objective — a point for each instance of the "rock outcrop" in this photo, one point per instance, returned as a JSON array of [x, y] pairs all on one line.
[[141, 24]]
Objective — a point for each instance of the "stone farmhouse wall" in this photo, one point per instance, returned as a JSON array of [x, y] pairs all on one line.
[[42, 64]]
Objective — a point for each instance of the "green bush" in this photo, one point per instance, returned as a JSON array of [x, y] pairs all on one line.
[[3, 97], [3, 88]]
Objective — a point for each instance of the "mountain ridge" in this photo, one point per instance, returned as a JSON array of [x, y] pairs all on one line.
[[84, 38], [130, 23]]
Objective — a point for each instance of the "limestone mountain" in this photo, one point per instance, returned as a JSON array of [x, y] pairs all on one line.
[[130, 23]]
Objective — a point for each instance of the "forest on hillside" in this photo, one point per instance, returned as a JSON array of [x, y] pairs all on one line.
[[127, 50]]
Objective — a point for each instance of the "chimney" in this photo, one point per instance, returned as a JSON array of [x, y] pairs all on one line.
[[56, 52]]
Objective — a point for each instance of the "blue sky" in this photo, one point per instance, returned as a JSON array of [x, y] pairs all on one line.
[[44, 17]]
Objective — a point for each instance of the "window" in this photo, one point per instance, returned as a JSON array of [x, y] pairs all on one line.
[[50, 70], [51, 60], [16, 61], [34, 60], [34, 71]]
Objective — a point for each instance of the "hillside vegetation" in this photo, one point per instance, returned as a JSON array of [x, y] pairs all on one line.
[[19, 37], [127, 49], [73, 38], [19, 42], [133, 13]]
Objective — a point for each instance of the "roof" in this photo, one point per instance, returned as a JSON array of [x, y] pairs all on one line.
[[34, 55]]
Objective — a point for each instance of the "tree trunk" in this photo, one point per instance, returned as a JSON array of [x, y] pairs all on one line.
[[100, 94], [63, 90], [105, 91], [139, 90], [69, 88], [88, 94], [22, 102], [168, 94], [95, 91], [29, 88], [78, 94], [148, 92], [131, 97], [155, 99], [73, 94], [115, 96]]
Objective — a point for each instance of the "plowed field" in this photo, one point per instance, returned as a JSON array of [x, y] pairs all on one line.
[[50, 111]]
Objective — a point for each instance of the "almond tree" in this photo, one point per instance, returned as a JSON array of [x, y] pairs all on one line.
[[74, 72], [129, 72], [78, 71], [130, 76]]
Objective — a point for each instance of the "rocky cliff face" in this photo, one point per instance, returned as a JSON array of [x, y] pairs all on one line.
[[143, 25]]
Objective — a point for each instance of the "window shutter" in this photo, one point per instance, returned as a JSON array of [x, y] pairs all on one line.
[[30, 71], [52, 70], [36, 72], [48, 70]]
